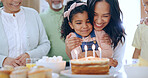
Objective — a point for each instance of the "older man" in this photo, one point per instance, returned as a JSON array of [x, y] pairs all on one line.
[[22, 34], [52, 20]]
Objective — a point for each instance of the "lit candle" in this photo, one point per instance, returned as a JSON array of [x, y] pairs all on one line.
[[100, 52], [93, 48], [76, 54], [85, 48]]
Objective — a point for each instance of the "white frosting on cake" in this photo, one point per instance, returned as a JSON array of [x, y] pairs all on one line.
[[89, 60]]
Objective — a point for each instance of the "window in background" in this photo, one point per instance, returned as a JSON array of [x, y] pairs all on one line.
[[131, 17]]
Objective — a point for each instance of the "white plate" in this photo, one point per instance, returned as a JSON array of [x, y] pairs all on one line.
[[55, 75], [68, 73]]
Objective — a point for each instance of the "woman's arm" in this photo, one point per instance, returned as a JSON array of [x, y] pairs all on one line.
[[118, 54], [43, 45], [71, 43]]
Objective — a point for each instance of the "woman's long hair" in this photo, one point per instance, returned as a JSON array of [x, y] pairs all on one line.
[[65, 28], [114, 28]]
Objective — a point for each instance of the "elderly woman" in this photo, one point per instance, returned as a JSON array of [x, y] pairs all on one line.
[[22, 34]]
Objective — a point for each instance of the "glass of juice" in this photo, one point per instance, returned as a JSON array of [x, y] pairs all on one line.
[[31, 62]]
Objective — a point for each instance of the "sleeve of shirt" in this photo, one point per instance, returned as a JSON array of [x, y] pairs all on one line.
[[2, 59], [137, 39], [118, 54], [44, 45]]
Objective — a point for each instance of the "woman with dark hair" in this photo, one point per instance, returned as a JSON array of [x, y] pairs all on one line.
[[76, 23], [105, 15]]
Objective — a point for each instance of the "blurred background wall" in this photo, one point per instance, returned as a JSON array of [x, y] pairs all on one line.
[[32, 3]]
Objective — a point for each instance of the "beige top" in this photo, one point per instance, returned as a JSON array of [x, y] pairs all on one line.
[[140, 40]]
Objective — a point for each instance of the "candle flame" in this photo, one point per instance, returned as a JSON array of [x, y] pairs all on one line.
[[93, 46], [85, 47]]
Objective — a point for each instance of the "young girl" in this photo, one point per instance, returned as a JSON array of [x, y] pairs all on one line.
[[76, 24], [140, 40]]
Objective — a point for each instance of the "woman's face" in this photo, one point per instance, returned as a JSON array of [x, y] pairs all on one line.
[[12, 6], [81, 24], [102, 15]]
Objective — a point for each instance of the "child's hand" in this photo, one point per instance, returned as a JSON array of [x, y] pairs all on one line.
[[145, 20], [113, 62], [141, 21]]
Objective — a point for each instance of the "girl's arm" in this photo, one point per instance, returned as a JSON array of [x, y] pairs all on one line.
[[136, 53]]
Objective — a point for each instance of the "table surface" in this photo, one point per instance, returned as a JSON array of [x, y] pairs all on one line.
[[118, 75], [128, 72]]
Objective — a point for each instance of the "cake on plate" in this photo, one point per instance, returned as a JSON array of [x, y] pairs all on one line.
[[90, 65]]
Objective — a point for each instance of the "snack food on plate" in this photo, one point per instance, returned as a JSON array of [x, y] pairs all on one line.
[[37, 73], [90, 65], [21, 68], [21, 73], [5, 71], [55, 63]]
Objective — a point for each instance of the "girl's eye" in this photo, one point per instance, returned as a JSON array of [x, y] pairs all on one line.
[[78, 23], [144, 5], [105, 16]]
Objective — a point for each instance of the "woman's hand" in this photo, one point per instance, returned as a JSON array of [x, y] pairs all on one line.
[[113, 62], [12, 62], [106, 39], [73, 42], [22, 58]]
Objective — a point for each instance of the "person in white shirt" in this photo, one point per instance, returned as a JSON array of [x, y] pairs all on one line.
[[22, 34]]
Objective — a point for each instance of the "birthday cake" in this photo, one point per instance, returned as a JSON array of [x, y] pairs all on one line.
[[90, 65]]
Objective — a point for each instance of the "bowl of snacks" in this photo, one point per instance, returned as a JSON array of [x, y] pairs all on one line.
[[55, 63]]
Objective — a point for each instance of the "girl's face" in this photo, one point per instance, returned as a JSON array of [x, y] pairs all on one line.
[[12, 6], [81, 24], [102, 15], [145, 4]]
